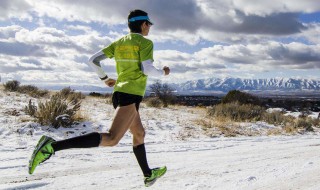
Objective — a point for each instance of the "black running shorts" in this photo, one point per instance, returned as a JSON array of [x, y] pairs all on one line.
[[123, 99]]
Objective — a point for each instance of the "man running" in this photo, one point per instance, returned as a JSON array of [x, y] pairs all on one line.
[[134, 62]]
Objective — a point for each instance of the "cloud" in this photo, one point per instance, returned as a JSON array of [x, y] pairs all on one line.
[[8, 32], [275, 24], [264, 8], [226, 21], [21, 49], [246, 37], [239, 58], [46, 50], [14, 9]]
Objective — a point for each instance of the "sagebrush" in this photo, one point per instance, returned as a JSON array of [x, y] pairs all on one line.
[[154, 102], [236, 112], [60, 110], [31, 90]]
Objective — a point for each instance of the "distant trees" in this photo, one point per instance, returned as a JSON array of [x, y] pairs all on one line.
[[12, 86], [240, 97], [164, 92]]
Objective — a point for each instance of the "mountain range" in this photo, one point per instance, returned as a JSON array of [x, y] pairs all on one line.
[[285, 86], [223, 85]]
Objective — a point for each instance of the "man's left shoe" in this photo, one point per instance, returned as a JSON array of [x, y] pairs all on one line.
[[156, 173], [42, 152]]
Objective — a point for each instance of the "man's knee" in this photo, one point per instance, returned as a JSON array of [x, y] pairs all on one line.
[[139, 134], [109, 139]]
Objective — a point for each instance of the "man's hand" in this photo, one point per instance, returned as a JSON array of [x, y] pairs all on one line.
[[110, 82], [166, 70]]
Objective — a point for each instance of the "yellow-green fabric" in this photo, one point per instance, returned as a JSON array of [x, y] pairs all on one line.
[[129, 52]]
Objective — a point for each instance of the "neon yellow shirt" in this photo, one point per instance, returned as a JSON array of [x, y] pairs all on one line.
[[129, 52]]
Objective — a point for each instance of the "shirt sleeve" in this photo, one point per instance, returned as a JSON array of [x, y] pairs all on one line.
[[94, 63], [149, 69], [146, 51], [109, 50]]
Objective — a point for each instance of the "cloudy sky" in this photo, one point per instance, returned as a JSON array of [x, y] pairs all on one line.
[[49, 42]]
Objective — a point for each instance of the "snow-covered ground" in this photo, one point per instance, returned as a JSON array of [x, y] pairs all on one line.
[[174, 139]]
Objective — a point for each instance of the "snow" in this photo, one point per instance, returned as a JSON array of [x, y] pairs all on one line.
[[194, 160]]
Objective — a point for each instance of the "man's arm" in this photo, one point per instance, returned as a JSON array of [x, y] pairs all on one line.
[[94, 63], [149, 69]]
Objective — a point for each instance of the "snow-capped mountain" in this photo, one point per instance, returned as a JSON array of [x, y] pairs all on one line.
[[227, 84], [222, 86]]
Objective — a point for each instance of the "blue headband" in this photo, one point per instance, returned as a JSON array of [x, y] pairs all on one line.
[[139, 18]]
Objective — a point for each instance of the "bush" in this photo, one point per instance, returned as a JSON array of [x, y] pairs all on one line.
[[12, 86], [59, 110], [154, 102], [303, 123], [26, 89], [236, 112], [95, 94], [30, 109], [240, 97], [33, 91], [277, 118], [70, 94]]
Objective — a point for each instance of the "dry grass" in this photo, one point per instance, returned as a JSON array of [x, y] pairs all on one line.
[[236, 112], [153, 102], [224, 120]]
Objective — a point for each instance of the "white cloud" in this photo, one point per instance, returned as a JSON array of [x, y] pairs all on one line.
[[14, 9], [264, 8], [47, 52], [241, 60]]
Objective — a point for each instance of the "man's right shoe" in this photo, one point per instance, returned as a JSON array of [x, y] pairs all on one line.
[[42, 152], [156, 173]]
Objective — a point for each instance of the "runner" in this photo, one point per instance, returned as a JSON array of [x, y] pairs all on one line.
[[133, 55]]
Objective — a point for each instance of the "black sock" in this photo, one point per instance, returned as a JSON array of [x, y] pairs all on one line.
[[85, 141], [140, 153]]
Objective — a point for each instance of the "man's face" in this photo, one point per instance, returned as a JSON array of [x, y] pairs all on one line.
[[145, 27]]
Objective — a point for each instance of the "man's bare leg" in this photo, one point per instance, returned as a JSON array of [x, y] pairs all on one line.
[[124, 116], [137, 131]]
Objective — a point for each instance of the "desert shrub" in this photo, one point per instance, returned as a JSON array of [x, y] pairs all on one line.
[[108, 98], [277, 118], [25, 89], [153, 102], [30, 109], [315, 122], [70, 94], [236, 112], [240, 97], [60, 110], [65, 92], [95, 94], [303, 123], [33, 91], [39, 93], [12, 86]]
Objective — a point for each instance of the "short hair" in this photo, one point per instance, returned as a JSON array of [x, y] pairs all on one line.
[[135, 26]]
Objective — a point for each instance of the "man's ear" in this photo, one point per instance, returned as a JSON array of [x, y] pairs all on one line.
[[144, 24]]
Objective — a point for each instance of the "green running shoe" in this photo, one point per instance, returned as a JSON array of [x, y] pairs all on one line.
[[156, 173], [42, 152]]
